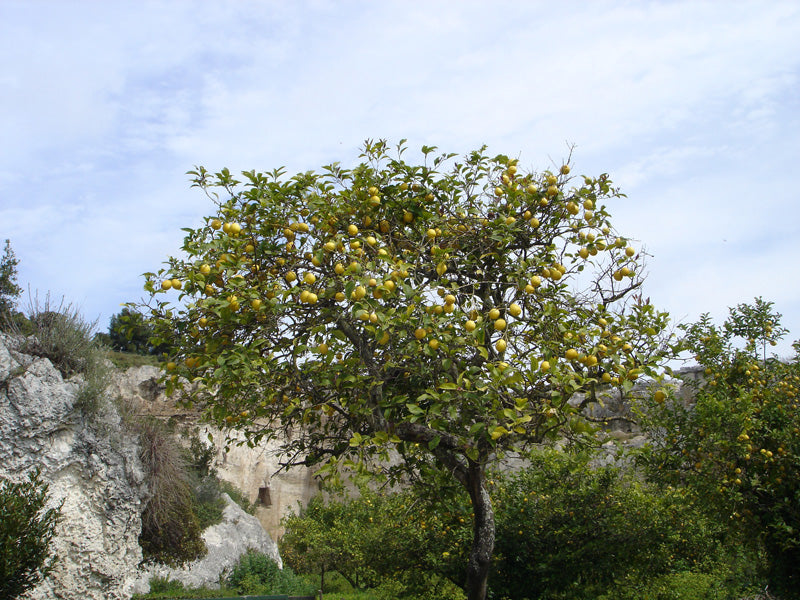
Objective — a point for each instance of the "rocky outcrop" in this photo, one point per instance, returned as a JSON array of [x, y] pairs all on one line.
[[255, 471], [93, 471], [226, 542], [90, 461]]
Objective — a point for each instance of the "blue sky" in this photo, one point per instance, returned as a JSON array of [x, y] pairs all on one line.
[[692, 107]]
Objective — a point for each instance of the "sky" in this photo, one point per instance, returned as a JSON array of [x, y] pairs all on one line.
[[692, 108]]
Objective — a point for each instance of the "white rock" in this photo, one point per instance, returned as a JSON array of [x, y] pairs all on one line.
[[226, 542]]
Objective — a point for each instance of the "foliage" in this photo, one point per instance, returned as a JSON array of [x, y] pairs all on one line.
[[390, 540], [171, 531], [238, 496], [737, 448], [130, 331], [9, 290], [26, 530], [567, 529], [257, 573], [60, 333], [125, 360], [163, 588], [447, 311]]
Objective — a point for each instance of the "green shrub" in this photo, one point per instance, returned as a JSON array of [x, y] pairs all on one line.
[[257, 573], [160, 585], [171, 532], [26, 530], [59, 333], [126, 360], [567, 530], [238, 496], [163, 588], [736, 448]]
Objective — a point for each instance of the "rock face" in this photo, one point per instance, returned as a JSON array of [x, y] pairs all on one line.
[[254, 471], [93, 470], [226, 542], [91, 464]]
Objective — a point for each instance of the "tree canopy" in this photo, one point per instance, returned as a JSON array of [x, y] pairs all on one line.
[[737, 447], [439, 314]]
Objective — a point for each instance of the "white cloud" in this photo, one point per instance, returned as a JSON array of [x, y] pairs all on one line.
[[691, 106]]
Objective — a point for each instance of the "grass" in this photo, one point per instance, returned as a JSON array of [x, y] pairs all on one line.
[[126, 360]]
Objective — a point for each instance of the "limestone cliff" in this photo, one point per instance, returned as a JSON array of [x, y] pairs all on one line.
[[92, 467], [254, 471], [91, 464]]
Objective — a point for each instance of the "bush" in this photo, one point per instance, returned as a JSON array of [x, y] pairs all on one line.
[[257, 573], [567, 530], [59, 333], [26, 530], [130, 331], [171, 531]]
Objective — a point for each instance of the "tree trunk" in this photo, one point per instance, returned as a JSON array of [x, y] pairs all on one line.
[[483, 533]]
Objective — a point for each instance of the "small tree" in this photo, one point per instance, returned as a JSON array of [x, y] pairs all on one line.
[[26, 530], [737, 447], [440, 315], [9, 290], [130, 331]]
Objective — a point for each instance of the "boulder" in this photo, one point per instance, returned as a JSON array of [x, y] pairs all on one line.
[[226, 542]]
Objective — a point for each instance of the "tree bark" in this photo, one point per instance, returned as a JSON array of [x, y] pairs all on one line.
[[483, 534]]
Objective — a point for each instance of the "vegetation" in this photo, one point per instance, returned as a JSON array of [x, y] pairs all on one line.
[[736, 450], [9, 290], [448, 311], [257, 573], [126, 360], [26, 530], [170, 527], [254, 574], [565, 529], [59, 333], [185, 494], [131, 331]]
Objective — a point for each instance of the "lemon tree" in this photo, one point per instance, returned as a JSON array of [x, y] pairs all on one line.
[[406, 316], [736, 449]]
